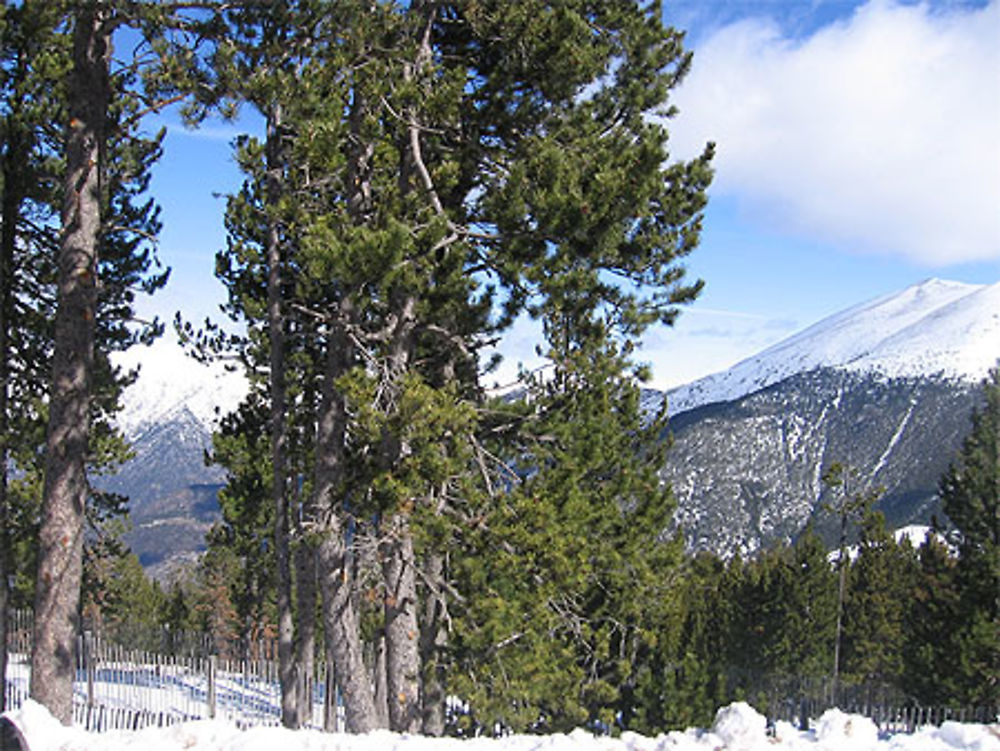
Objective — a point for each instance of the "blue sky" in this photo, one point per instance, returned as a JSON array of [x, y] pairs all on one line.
[[858, 153]]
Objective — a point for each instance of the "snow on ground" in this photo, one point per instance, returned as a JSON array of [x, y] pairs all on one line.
[[737, 727]]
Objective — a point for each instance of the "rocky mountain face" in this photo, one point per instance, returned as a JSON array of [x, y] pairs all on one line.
[[173, 495], [886, 388], [747, 472]]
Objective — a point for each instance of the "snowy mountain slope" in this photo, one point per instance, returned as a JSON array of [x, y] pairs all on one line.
[[747, 473], [168, 416], [170, 382], [935, 328], [886, 386]]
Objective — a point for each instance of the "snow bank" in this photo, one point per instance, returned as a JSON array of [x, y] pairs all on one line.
[[737, 727]]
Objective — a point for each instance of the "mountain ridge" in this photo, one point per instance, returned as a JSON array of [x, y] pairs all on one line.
[[747, 473], [885, 386], [935, 328], [168, 381]]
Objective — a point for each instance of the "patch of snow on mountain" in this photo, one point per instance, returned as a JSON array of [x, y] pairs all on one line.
[[169, 381], [936, 327]]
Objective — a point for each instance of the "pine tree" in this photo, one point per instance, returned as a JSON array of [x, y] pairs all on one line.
[[932, 639], [875, 614], [31, 59], [577, 584], [970, 493], [99, 175], [414, 178], [685, 679], [117, 598], [808, 613], [61, 534], [850, 505], [246, 529]]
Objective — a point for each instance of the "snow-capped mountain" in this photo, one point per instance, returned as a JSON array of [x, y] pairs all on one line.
[[168, 416], [170, 381], [935, 328], [886, 387], [748, 472]]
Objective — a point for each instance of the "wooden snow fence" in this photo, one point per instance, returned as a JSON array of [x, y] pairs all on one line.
[[889, 718], [129, 689], [116, 687]]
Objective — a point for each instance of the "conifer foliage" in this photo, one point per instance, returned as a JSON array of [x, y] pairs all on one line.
[[427, 172], [430, 170], [970, 491]]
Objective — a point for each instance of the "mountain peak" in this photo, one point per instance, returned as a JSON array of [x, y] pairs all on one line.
[[170, 381], [935, 327]]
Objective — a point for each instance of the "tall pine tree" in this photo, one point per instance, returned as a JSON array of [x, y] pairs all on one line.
[[427, 164], [103, 258], [970, 492]]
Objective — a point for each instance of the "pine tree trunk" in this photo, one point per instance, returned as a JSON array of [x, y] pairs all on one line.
[[3, 616], [305, 648], [402, 668], [60, 561], [342, 630], [9, 222], [279, 427], [377, 669], [341, 626], [433, 640]]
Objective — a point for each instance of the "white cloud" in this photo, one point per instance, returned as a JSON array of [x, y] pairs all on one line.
[[880, 132]]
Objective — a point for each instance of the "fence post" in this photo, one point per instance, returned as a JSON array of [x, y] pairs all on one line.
[[88, 667], [211, 687]]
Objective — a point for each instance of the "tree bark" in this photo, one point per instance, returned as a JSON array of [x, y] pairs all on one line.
[[433, 639], [377, 669], [65, 490], [305, 647], [402, 669], [340, 620], [279, 425], [341, 630]]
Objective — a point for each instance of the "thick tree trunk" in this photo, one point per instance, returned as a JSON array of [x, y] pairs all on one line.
[[342, 631], [433, 639], [402, 668], [340, 620], [279, 427], [64, 499]]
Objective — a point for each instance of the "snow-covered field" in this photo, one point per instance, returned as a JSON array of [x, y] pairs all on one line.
[[737, 728]]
